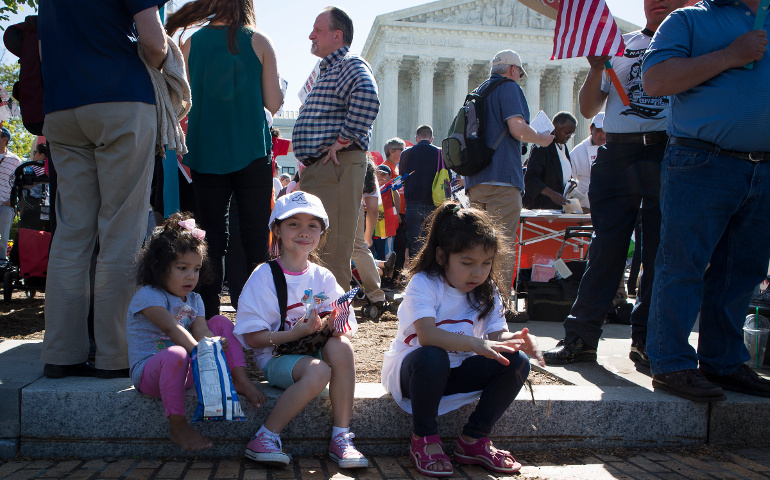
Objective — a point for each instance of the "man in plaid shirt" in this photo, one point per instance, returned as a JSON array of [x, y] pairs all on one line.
[[332, 134]]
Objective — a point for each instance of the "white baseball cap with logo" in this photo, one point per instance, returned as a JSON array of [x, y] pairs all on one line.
[[598, 120], [509, 57], [298, 202]]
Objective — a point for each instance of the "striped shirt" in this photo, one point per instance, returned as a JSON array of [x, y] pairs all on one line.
[[8, 164], [343, 103]]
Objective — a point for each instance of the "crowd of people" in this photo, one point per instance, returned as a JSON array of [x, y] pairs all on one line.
[[686, 148]]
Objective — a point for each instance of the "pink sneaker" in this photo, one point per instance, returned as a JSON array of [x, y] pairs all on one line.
[[266, 449], [342, 451]]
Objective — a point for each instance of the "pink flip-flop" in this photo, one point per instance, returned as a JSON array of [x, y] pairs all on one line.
[[478, 453]]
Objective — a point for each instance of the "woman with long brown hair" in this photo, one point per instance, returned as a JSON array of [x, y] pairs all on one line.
[[233, 75]]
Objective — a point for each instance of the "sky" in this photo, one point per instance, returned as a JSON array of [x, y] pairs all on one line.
[[288, 23]]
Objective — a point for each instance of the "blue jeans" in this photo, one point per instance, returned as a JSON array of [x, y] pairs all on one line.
[[426, 377], [714, 250], [623, 177], [415, 216], [381, 247]]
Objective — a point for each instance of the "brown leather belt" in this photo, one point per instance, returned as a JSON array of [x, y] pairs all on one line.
[[353, 147], [716, 150], [649, 138]]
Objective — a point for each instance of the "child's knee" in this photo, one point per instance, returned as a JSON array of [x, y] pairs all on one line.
[[519, 364], [432, 357], [317, 374], [220, 325]]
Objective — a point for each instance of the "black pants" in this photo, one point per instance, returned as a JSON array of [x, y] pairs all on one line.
[[623, 178], [426, 377], [252, 187]]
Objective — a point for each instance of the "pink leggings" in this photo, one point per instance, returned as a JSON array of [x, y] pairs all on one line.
[[167, 374]]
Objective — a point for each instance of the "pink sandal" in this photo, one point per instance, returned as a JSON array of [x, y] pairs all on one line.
[[478, 453], [419, 453]]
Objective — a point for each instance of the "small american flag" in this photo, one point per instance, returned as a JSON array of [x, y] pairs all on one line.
[[39, 170], [586, 27], [342, 307]]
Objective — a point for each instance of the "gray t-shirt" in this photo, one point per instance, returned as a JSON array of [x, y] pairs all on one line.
[[145, 339], [645, 113]]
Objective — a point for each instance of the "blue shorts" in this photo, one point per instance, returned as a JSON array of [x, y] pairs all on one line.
[[278, 371]]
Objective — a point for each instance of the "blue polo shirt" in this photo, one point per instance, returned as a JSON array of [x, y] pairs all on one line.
[[506, 101], [732, 108], [89, 53]]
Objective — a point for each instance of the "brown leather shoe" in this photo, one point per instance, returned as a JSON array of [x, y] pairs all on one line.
[[743, 380], [689, 384]]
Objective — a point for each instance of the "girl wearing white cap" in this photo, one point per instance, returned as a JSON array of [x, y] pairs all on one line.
[[299, 223]]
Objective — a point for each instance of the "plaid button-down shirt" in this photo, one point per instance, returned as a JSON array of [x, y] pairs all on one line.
[[343, 103]]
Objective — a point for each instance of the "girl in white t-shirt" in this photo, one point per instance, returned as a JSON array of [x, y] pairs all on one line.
[[298, 222], [453, 343]]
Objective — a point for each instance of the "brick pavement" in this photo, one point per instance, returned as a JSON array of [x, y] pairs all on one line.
[[673, 464]]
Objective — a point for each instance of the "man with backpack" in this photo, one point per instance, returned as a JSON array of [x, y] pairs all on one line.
[[498, 187]]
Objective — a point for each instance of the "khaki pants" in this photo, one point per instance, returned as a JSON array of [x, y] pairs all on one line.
[[340, 188], [503, 204], [365, 264], [104, 158]]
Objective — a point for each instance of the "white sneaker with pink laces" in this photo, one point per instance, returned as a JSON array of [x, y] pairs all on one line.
[[265, 448], [342, 451]]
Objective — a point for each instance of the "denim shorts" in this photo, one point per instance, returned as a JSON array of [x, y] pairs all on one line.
[[278, 371]]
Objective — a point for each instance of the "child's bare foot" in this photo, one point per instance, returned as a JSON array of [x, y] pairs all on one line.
[[183, 435], [244, 386]]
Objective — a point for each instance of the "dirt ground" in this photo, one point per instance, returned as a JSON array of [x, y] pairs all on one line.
[[22, 319]]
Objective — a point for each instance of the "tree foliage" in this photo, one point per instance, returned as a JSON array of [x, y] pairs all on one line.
[[13, 6], [21, 143]]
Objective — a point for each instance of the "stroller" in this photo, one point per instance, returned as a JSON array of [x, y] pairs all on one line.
[[28, 259]]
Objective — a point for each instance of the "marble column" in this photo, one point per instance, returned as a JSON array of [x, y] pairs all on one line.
[[551, 104], [461, 69], [532, 89], [427, 68], [567, 75], [387, 118]]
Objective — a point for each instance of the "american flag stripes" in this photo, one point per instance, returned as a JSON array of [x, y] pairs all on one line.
[[342, 307], [586, 27]]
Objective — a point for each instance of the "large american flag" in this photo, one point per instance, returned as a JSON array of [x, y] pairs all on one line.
[[342, 307], [586, 27]]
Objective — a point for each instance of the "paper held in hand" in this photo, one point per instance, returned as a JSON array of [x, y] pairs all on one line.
[[541, 123]]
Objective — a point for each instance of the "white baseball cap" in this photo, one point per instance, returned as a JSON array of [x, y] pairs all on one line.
[[508, 57], [298, 202], [598, 120]]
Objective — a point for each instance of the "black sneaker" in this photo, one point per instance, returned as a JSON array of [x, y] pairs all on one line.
[[638, 353], [572, 349]]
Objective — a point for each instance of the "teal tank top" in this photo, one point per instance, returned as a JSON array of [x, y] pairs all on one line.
[[227, 129]]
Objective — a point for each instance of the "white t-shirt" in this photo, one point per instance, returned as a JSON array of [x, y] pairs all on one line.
[[277, 187], [258, 304], [431, 296], [645, 114], [583, 157]]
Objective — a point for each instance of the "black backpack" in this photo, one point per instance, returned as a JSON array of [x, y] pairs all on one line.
[[464, 150]]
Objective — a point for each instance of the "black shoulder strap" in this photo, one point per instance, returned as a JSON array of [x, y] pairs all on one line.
[[491, 86], [280, 288]]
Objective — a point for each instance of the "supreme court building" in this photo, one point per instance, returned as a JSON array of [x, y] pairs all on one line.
[[426, 59]]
